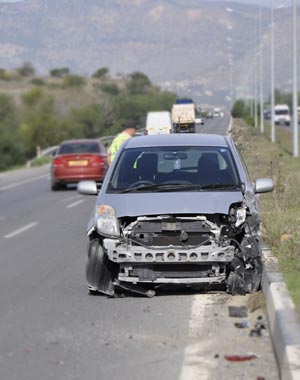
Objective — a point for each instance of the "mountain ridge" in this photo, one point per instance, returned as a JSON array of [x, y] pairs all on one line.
[[180, 45]]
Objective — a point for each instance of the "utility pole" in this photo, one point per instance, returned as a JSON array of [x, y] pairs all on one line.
[[272, 75], [261, 73], [295, 89]]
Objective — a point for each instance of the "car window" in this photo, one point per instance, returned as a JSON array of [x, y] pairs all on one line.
[[75, 148], [175, 165]]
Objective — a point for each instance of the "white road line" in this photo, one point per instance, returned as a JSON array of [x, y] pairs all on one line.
[[71, 198], [196, 366], [20, 183], [75, 203], [21, 230]]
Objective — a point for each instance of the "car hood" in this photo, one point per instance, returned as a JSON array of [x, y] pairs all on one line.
[[140, 204]]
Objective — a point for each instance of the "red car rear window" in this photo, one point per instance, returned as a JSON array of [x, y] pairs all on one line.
[[82, 147]]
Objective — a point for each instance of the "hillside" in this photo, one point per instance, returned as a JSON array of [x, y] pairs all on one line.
[[184, 46]]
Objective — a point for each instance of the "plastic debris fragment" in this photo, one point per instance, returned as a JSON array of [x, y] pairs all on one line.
[[238, 311], [240, 358]]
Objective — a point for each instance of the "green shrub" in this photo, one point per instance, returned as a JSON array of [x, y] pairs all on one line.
[[26, 70], [4, 75], [37, 81], [100, 73], [72, 80], [41, 161], [32, 96], [138, 83], [60, 72], [109, 88]]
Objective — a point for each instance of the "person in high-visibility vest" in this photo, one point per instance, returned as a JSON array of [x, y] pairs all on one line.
[[129, 130]]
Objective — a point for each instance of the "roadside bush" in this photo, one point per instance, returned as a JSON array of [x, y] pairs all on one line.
[[26, 70], [4, 75], [7, 108], [33, 96], [110, 88], [37, 82], [72, 80], [59, 73], [239, 109]]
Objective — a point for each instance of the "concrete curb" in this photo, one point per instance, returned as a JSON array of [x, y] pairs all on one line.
[[283, 320]]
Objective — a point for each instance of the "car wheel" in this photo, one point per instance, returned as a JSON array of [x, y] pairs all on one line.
[[99, 270], [55, 186]]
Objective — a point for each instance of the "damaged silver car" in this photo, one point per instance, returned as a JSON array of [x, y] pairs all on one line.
[[175, 210]]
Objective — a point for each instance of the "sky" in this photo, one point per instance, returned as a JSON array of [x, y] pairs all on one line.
[[263, 2]]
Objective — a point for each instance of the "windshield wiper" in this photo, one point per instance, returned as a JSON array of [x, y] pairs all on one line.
[[178, 187], [221, 186], [162, 187]]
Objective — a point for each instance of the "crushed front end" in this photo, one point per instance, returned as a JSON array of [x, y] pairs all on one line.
[[189, 250]]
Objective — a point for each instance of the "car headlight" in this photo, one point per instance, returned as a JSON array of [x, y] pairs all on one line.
[[107, 223], [238, 215]]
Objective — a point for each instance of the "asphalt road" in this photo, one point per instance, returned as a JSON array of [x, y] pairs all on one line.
[[51, 329]]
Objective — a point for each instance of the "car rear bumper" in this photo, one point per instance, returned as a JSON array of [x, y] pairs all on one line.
[[70, 175]]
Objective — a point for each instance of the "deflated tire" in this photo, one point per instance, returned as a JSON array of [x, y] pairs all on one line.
[[99, 271]]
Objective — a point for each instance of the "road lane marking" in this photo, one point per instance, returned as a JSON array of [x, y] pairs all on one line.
[[21, 230], [20, 183], [75, 203], [196, 366], [71, 198]]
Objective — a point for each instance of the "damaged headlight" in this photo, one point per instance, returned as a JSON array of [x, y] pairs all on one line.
[[238, 215], [107, 223]]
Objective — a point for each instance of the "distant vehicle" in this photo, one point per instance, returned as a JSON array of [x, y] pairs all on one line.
[[175, 210], [217, 112], [158, 123], [183, 116], [267, 114], [78, 160], [199, 120], [282, 114], [209, 115]]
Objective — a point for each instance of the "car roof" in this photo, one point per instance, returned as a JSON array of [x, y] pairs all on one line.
[[80, 141], [178, 139]]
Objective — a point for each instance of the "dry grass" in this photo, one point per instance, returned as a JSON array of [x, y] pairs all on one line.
[[280, 210]]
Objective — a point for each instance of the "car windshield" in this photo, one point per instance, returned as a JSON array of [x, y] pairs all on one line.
[[82, 147], [281, 112], [174, 169]]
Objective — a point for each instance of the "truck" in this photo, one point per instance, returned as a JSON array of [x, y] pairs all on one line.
[[183, 116], [158, 123], [282, 114]]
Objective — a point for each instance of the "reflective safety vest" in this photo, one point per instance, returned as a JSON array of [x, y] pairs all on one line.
[[116, 144]]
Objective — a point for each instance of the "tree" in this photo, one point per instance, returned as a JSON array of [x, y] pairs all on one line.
[[239, 109], [86, 122], [138, 83], [26, 70], [60, 72], [11, 143], [100, 73]]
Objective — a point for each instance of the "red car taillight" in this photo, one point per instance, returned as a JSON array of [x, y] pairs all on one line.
[[97, 161], [58, 161]]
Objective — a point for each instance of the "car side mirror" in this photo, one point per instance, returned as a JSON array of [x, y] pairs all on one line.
[[264, 185], [87, 188]]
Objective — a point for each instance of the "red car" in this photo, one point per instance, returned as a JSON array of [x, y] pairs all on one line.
[[78, 160]]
